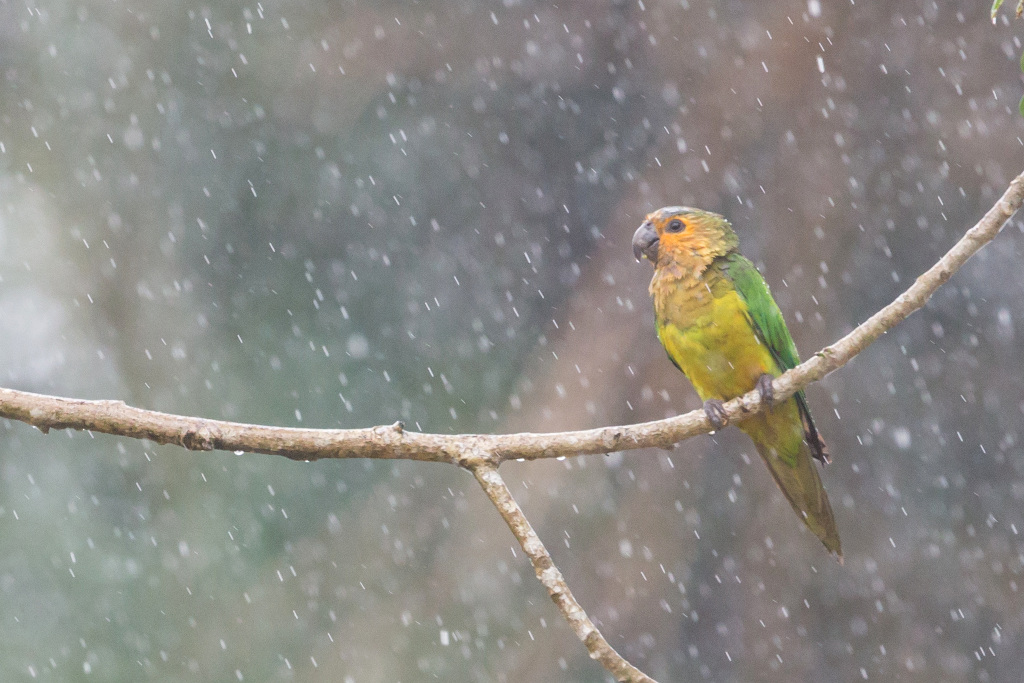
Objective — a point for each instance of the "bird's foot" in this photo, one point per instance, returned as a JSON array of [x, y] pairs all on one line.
[[765, 388], [715, 411]]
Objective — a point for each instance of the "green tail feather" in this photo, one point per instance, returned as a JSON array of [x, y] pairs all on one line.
[[791, 462]]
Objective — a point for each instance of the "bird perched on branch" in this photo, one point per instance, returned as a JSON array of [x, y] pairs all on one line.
[[722, 328]]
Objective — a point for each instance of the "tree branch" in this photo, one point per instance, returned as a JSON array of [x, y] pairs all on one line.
[[483, 453], [549, 575], [193, 433]]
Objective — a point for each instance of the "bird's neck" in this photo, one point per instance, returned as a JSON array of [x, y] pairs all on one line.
[[684, 291], [680, 271]]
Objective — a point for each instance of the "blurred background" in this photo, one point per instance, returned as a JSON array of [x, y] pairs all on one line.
[[346, 214]]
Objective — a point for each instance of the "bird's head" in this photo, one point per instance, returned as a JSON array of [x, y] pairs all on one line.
[[680, 234]]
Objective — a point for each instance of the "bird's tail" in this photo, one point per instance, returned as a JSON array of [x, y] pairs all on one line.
[[790, 459]]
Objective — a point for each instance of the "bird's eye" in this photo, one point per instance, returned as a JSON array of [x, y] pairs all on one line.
[[675, 226]]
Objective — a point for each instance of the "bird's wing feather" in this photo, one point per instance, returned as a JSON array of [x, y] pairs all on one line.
[[770, 326], [762, 309]]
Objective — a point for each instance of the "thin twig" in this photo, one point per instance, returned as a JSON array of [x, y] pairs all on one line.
[[549, 575], [392, 441]]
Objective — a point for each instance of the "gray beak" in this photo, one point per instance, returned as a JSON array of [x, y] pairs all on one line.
[[645, 243]]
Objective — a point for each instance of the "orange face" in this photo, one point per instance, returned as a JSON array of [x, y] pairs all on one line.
[[683, 233]]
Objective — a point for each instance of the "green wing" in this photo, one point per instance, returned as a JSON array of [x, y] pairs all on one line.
[[770, 326], [762, 309]]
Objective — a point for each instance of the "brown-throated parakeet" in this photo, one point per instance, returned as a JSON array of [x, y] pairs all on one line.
[[722, 328]]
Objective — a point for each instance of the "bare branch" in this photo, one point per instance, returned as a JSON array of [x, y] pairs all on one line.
[[482, 453], [549, 575], [114, 417], [840, 353]]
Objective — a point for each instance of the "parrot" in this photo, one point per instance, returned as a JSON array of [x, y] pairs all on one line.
[[720, 326]]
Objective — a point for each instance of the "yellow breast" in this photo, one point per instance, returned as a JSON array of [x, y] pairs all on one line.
[[704, 327]]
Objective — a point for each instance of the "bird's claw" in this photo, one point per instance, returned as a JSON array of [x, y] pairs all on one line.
[[765, 388], [715, 411]]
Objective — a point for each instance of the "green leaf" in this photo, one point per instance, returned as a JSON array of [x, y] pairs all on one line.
[[995, 9], [1020, 7]]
